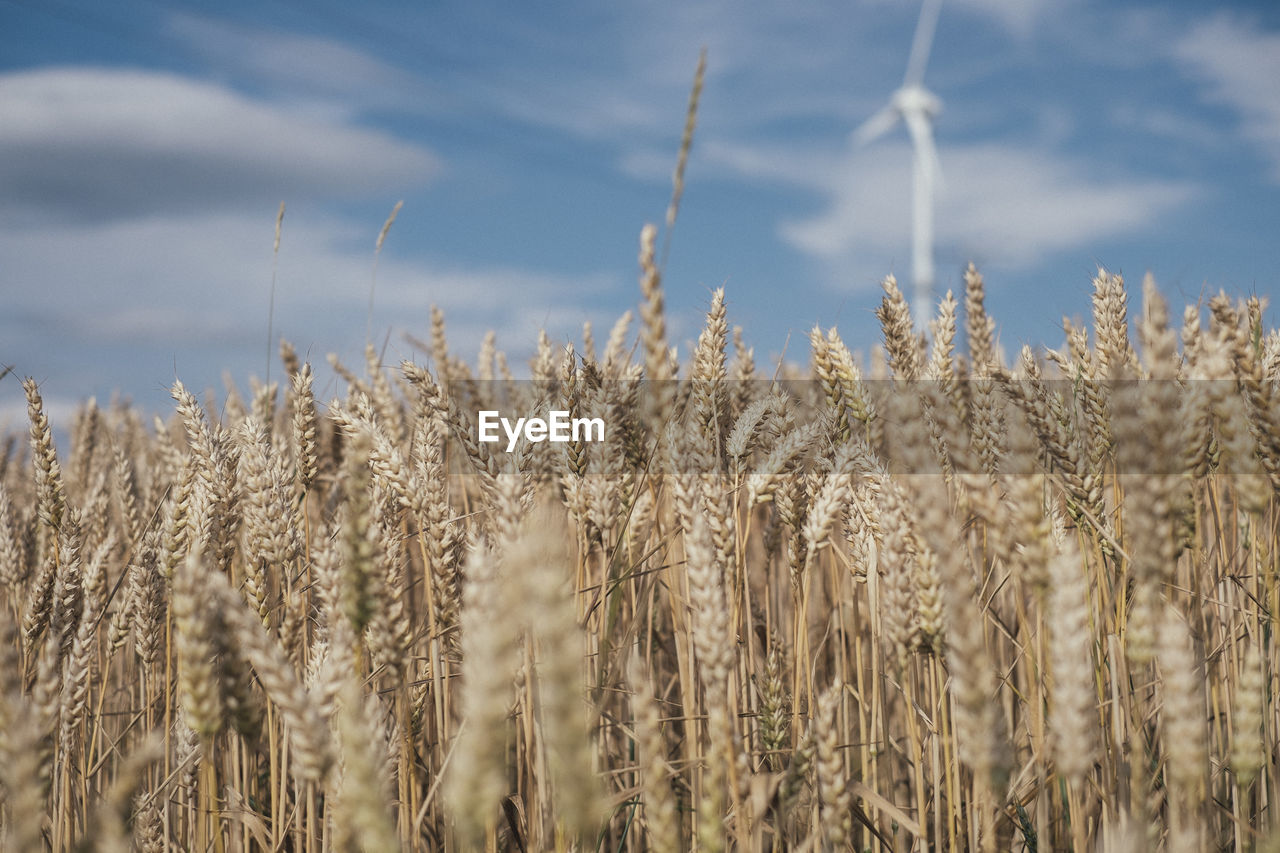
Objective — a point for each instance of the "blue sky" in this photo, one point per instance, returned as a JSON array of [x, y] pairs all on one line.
[[146, 146]]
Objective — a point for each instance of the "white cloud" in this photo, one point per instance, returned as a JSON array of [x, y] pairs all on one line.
[[139, 301], [201, 277], [587, 108], [139, 213], [1007, 205], [1016, 16], [1166, 124], [1240, 65], [1022, 205], [97, 143]]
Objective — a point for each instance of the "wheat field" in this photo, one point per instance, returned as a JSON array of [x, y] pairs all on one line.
[[929, 598], [935, 601]]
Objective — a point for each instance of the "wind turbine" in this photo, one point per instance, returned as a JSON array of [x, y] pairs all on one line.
[[915, 106]]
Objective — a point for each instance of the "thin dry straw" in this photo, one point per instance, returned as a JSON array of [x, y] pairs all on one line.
[[686, 144], [271, 306], [373, 278]]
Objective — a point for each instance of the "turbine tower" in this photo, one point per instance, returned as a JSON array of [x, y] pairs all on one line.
[[915, 106]]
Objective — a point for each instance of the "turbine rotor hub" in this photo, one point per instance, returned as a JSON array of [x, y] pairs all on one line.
[[916, 99]]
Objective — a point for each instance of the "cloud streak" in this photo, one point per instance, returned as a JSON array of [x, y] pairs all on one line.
[[301, 69], [101, 144], [1240, 65], [1007, 205]]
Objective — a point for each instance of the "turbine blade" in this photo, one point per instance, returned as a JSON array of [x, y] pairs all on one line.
[[876, 126], [922, 43]]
